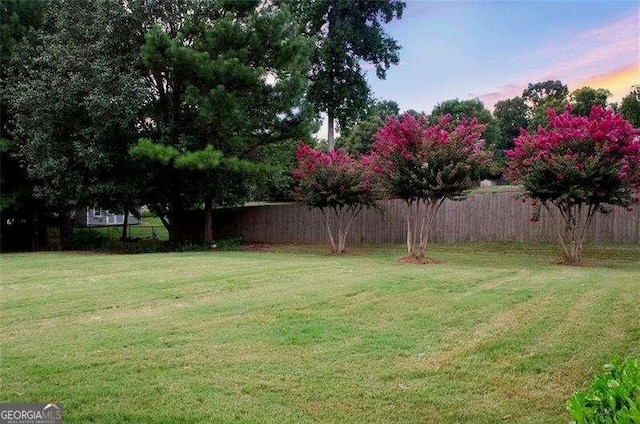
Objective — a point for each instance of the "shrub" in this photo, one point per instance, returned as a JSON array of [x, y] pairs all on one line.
[[87, 239], [227, 244], [613, 398]]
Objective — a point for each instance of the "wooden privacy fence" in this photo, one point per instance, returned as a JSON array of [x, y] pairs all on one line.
[[500, 216]]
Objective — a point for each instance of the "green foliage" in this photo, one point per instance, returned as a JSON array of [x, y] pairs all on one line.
[[88, 239], [542, 96], [348, 34], [630, 107], [612, 398], [200, 160], [460, 109], [75, 95], [359, 139], [511, 115], [280, 158], [542, 92], [583, 99], [19, 22], [228, 79], [540, 113], [18, 19], [229, 244]]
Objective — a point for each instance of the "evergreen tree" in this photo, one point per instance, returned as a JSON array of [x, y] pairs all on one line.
[[347, 34], [224, 79]]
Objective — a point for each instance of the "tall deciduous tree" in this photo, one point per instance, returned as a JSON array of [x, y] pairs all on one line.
[[21, 213], [579, 166], [75, 96], [224, 78], [361, 136], [542, 96], [583, 99], [426, 164], [630, 107], [511, 115], [537, 94], [348, 34]]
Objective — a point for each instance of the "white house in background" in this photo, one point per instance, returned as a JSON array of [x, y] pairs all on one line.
[[97, 217]]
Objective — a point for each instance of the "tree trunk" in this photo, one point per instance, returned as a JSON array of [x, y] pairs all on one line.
[[327, 221], [331, 17], [330, 131], [65, 228], [175, 217], [208, 220], [35, 236], [408, 217], [125, 226], [431, 209], [576, 223]]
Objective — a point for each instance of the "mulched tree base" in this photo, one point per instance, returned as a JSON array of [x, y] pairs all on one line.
[[418, 260], [566, 262]]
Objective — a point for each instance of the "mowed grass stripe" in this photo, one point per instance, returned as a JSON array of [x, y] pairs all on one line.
[[495, 333]]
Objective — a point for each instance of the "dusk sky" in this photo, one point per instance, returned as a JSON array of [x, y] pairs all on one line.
[[492, 49]]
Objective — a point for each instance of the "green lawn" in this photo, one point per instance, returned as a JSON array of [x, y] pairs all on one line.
[[495, 333]]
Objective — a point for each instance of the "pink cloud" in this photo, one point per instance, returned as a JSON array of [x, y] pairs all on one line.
[[595, 51], [589, 58], [505, 92]]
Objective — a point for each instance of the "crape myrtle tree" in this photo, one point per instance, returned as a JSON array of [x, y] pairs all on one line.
[[337, 185], [348, 34], [225, 78], [426, 164], [579, 166]]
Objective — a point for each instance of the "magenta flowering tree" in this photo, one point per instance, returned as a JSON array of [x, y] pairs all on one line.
[[579, 166], [338, 185], [425, 164]]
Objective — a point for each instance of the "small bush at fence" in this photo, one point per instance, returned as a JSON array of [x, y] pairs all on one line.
[[88, 239], [227, 244], [613, 398]]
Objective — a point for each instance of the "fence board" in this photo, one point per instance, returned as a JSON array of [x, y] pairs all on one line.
[[498, 216]]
